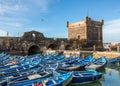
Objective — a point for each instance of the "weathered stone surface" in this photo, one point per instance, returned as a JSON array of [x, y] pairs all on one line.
[[83, 34], [87, 29]]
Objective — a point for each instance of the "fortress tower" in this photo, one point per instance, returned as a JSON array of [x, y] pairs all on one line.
[[87, 29]]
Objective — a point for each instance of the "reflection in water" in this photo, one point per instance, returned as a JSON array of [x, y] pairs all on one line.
[[111, 76]]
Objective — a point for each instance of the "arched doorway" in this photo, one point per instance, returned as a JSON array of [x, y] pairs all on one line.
[[33, 50], [53, 46], [68, 47]]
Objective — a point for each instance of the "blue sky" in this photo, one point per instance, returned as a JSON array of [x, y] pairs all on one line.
[[50, 16]]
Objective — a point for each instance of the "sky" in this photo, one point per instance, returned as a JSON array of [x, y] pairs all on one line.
[[50, 16]]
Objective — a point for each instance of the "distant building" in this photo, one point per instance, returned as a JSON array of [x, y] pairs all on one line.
[[87, 29]]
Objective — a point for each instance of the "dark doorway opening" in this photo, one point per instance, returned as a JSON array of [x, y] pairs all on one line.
[[79, 37], [67, 47], [34, 49]]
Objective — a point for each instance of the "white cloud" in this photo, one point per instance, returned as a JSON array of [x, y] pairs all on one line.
[[12, 22], [16, 15], [13, 19], [19, 6], [3, 33], [111, 31], [11, 7], [42, 4], [15, 25]]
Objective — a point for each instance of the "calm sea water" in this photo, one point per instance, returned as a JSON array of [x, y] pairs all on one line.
[[111, 77]]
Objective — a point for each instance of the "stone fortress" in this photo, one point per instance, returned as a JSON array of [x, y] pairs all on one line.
[[85, 34], [87, 29]]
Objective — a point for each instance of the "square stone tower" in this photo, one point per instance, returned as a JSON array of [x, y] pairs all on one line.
[[87, 29]]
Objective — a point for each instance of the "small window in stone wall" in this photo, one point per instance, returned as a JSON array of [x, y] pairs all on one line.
[[78, 36], [33, 34]]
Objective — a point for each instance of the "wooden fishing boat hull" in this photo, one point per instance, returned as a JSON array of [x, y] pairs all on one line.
[[97, 64], [55, 80], [85, 77]]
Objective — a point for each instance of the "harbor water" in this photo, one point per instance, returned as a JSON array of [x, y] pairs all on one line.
[[111, 77]]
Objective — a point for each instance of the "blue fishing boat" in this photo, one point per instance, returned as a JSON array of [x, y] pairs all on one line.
[[68, 67], [39, 72], [75, 65], [52, 59], [16, 68], [51, 66], [17, 60], [70, 60], [84, 61], [11, 61], [81, 77], [59, 78], [112, 60], [118, 59], [3, 56], [97, 64]]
